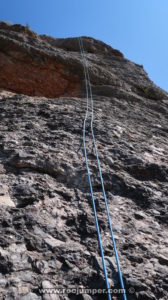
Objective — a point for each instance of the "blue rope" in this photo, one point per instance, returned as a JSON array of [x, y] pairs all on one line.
[[100, 174], [90, 185]]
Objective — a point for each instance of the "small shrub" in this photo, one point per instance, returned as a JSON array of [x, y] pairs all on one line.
[[27, 27], [29, 31], [152, 93]]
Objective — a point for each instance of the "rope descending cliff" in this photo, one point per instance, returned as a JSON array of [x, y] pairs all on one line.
[[89, 90]]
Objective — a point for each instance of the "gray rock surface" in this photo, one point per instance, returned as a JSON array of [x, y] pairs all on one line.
[[48, 237]]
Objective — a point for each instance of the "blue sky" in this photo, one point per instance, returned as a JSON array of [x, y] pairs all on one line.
[[138, 28]]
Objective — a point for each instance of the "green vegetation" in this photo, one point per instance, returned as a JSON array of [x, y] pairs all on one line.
[[152, 93], [29, 31]]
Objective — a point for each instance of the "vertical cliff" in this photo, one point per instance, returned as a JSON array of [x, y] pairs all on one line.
[[48, 234]]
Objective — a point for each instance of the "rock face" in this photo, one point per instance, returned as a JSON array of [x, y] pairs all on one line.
[[42, 66], [48, 236]]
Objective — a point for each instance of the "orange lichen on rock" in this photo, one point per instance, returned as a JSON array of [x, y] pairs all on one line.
[[32, 67], [35, 80]]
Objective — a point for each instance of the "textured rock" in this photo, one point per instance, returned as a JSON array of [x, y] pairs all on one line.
[[49, 240], [43, 66]]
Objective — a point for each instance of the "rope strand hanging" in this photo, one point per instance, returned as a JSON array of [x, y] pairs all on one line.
[[90, 185], [89, 91]]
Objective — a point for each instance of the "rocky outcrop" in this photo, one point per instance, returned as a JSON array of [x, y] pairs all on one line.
[[48, 235], [42, 66]]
